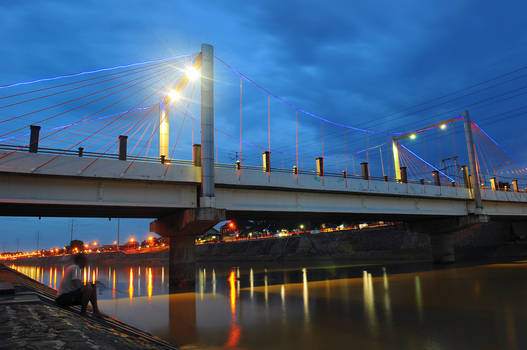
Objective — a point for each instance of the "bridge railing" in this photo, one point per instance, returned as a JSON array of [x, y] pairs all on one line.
[[88, 154], [98, 155]]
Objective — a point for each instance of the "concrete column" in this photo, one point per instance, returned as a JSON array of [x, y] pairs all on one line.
[[207, 126], [476, 188], [437, 180], [443, 248], [320, 166], [266, 161], [181, 263], [466, 176], [196, 155], [404, 175], [365, 171], [164, 128], [122, 147], [515, 185], [181, 228], [33, 138]]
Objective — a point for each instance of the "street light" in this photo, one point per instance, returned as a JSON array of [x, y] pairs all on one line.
[[443, 126], [192, 73], [174, 95], [412, 137]]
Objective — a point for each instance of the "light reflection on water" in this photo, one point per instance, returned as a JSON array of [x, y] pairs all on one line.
[[372, 307], [113, 281]]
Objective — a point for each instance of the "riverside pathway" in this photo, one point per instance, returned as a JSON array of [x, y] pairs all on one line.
[[29, 319]]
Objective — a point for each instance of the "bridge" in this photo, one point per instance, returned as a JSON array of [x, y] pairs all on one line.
[[64, 152]]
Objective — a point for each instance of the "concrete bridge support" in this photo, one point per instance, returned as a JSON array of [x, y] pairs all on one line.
[[443, 232], [182, 228]]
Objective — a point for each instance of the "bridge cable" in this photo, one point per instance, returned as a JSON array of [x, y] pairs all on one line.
[[91, 72]]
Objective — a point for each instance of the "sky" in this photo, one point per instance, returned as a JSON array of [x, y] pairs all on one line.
[[380, 65]]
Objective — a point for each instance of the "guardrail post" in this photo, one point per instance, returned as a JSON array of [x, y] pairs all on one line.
[[404, 175], [344, 174], [435, 175], [295, 170], [365, 171], [238, 165], [493, 183], [81, 151], [385, 178], [515, 185], [162, 159], [266, 161], [122, 147], [196, 155], [33, 138], [320, 166]]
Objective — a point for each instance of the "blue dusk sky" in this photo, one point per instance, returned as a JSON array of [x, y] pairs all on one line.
[[379, 65]]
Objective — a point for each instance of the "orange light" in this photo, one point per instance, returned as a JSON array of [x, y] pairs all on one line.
[[132, 240], [150, 238], [232, 225], [232, 285], [114, 242], [85, 246], [95, 243]]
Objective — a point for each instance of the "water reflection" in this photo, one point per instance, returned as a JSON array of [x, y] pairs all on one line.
[[254, 308], [418, 297]]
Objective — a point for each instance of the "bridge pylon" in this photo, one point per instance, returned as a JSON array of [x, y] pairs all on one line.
[[476, 192], [207, 198]]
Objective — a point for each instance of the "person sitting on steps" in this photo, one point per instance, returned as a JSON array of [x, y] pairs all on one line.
[[72, 292]]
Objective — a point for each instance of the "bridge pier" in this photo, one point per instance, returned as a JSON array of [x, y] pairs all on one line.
[[182, 228], [443, 234]]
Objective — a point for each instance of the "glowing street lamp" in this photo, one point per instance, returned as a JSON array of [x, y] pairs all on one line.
[[174, 95], [413, 137], [95, 243], [443, 126], [192, 73]]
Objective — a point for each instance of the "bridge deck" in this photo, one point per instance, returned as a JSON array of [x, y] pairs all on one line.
[[58, 185]]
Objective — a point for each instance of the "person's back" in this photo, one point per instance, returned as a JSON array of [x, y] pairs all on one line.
[[68, 284], [72, 292]]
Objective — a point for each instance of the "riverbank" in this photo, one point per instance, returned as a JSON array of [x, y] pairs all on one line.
[[29, 319], [395, 243]]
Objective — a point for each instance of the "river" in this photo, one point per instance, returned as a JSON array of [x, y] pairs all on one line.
[[374, 306]]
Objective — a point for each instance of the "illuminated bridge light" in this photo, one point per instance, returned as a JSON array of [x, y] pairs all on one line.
[[192, 73]]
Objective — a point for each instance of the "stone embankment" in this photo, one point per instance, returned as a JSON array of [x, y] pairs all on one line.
[[494, 239], [29, 319], [368, 244]]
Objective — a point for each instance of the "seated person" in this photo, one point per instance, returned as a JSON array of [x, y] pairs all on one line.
[[72, 292]]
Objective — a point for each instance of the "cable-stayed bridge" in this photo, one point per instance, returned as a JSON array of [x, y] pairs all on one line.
[[126, 141]]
